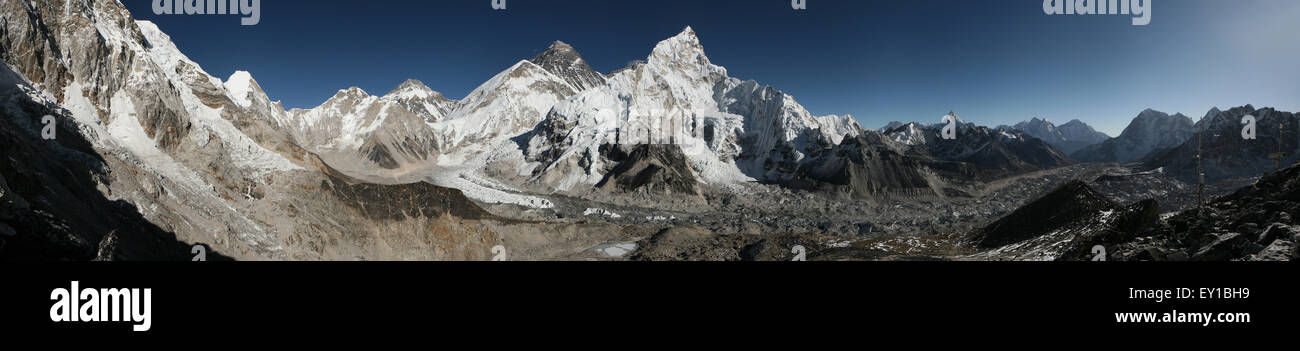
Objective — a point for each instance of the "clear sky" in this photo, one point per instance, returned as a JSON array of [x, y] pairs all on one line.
[[993, 61]]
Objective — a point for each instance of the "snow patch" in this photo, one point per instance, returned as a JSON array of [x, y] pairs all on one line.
[[240, 86], [601, 212]]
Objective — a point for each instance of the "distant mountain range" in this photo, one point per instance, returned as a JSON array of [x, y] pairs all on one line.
[[1150, 131], [1068, 137]]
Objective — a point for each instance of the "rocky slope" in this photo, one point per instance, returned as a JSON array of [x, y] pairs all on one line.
[[864, 167], [172, 149], [1065, 224], [1254, 223], [51, 208]]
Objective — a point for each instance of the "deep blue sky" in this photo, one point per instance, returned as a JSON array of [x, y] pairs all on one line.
[[993, 61]]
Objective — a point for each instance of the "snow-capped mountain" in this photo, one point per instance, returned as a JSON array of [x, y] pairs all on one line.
[[508, 105], [729, 130], [562, 60], [1149, 132], [979, 151], [890, 126], [1225, 154], [354, 130], [1069, 137], [159, 146], [413, 129]]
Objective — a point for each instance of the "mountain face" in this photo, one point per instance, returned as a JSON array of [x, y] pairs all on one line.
[[1151, 131], [1065, 225], [978, 151], [50, 208], [1225, 154], [354, 130], [562, 60], [865, 167], [413, 129], [153, 154], [655, 169], [1069, 137], [729, 130], [508, 105]]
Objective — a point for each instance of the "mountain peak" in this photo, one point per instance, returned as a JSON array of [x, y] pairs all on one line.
[[240, 80], [412, 83], [1152, 112], [242, 87], [559, 45], [686, 38], [352, 92], [953, 114], [684, 54], [411, 88], [563, 61]]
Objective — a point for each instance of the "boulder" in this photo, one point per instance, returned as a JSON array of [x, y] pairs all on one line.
[[1228, 246], [1279, 250], [1277, 231]]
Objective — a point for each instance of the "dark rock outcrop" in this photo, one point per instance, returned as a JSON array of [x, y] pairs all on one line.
[[1072, 204], [656, 169], [562, 60], [864, 167]]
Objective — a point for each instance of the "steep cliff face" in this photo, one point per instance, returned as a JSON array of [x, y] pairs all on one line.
[[51, 208]]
